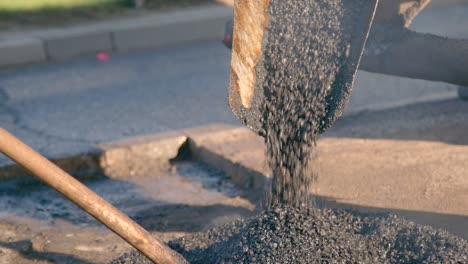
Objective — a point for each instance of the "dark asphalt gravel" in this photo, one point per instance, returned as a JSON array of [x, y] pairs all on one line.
[[311, 51], [302, 53], [308, 235]]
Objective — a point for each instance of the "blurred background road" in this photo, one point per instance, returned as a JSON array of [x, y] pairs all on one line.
[[66, 108]]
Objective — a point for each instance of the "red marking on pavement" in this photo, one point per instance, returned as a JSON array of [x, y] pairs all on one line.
[[103, 56]]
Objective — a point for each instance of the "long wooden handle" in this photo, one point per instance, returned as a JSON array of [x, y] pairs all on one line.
[[87, 200]]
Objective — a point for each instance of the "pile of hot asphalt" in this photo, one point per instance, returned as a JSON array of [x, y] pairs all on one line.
[[309, 235]]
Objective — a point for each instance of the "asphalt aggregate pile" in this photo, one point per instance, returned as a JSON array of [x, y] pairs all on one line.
[[309, 235]]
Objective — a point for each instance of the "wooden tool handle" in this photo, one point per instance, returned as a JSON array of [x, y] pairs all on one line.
[[87, 200]]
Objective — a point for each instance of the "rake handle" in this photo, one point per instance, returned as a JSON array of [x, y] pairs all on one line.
[[87, 200]]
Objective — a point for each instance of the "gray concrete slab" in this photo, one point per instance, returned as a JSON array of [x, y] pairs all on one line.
[[20, 50], [156, 36], [129, 157], [168, 29], [66, 45]]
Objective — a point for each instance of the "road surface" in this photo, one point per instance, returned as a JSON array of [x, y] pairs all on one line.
[[67, 108]]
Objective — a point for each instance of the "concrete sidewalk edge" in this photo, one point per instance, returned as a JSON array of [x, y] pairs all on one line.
[[152, 31], [125, 158], [117, 159]]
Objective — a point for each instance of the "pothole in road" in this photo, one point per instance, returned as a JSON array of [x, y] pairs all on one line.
[[189, 198]]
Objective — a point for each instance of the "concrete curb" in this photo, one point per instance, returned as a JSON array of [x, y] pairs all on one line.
[[152, 31], [220, 146], [82, 167], [237, 151], [20, 50], [128, 157], [118, 159]]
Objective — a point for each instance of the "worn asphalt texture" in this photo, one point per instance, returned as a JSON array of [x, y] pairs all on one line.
[[308, 235], [66, 108]]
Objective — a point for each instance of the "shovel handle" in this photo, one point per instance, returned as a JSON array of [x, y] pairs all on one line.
[[87, 200]]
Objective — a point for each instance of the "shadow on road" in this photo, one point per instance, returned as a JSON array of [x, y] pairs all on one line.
[[445, 121]]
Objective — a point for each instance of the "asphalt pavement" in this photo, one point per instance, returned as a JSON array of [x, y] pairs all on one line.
[[67, 108]]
